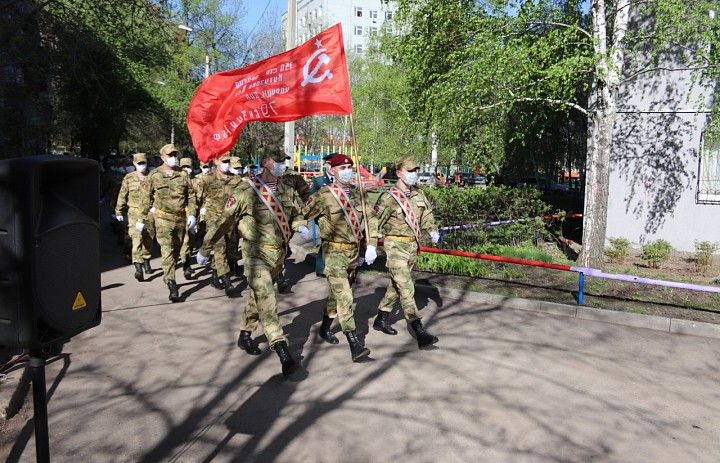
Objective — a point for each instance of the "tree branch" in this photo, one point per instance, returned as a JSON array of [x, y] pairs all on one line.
[[662, 68], [543, 100], [569, 26]]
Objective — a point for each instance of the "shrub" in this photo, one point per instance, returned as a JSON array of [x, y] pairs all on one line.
[[619, 249], [656, 253], [703, 256], [463, 206]]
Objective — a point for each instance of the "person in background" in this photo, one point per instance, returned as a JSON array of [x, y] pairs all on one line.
[[171, 196], [133, 191]]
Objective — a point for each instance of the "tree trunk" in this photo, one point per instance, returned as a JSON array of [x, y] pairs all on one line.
[[602, 124]]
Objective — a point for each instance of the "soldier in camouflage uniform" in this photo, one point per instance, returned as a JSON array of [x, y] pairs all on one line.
[[171, 195], [265, 235], [213, 192], [186, 248], [233, 238], [341, 247], [133, 190], [298, 183], [404, 213]]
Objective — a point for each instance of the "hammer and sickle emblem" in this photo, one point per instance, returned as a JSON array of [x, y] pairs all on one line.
[[313, 77]]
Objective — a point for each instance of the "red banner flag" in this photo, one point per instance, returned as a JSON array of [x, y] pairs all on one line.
[[309, 79]]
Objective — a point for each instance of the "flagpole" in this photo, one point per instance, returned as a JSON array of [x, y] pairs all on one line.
[[363, 201]]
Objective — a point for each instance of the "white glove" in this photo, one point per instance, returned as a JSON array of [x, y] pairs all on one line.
[[139, 226], [305, 233], [203, 211], [370, 255], [435, 236], [201, 260], [191, 222], [152, 210], [119, 218]]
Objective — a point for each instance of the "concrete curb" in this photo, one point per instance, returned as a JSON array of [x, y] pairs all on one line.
[[651, 322]]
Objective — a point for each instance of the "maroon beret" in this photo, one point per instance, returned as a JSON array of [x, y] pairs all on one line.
[[339, 159]]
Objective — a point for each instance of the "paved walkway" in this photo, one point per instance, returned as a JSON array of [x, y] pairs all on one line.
[[165, 382]]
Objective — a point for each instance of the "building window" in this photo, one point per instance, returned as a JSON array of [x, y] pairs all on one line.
[[709, 173], [358, 30], [373, 30], [358, 48], [389, 15], [358, 12], [373, 14]]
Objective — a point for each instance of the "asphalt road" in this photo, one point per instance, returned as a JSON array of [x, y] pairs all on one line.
[[165, 382]]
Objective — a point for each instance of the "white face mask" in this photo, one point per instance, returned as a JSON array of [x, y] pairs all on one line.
[[278, 169], [224, 167], [346, 175], [188, 170], [411, 178], [234, 171], [140, 167], [172, 161], [205, 170]]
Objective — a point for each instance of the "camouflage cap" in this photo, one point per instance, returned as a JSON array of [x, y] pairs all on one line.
[[235, 162], [204, 164], [186, 162], [224, 157], [139, 157], [275, 153], [407, 163], [167, 149]]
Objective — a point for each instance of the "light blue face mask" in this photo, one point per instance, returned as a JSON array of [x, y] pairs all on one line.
[[278, 169], [411, 178], [346, 175]]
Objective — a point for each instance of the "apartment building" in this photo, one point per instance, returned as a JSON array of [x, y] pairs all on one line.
[[361, 19]]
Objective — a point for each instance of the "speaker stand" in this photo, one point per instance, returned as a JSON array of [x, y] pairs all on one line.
[[40, 416]]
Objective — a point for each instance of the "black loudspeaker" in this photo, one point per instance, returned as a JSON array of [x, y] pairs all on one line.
[[49, 250]]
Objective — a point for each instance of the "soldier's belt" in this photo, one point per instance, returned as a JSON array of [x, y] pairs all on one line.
[[265, 245], [134, 208], [339, 245], [170, 214], [406, 239]]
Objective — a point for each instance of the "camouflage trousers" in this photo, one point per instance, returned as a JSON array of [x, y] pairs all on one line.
[[219, 260], [141, 241], [339, 265], [169, 232], [401, 258], [186, 248], [262, 268]]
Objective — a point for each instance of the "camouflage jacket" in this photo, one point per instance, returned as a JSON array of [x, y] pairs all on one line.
[[171, 193], [298, 183], [213, 192], [331, 219], [391, 218], [255, 222], [133, 192]]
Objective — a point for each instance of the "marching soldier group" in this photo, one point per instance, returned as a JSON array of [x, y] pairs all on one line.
[[265, 210]]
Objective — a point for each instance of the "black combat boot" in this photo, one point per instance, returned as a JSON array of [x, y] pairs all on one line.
[[246, 343], [357, 348], [146, 266], [289, 364], [187, 270], [138, 272], [381, 323], [174, 296], [227, 284], [325, 332], [215, 281], [424, 338]]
